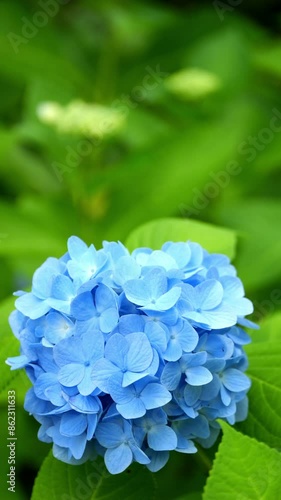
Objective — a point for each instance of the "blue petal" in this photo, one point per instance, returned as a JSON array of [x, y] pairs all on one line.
[[188, 337], [82, 307], [73, 424], [89, 404], [76, 247], [131, 377], [87, 385], [102, 370], [139, 455], [223, 317], [31, 306], [133, 409], [116, 349], [118, 393], [70, 375], [62, 288], [171, 375], [173, 351], [158, 459], [198, 375], [140, 353], [68, 351], [137, 292], [109, 320], [235, 380], [156, 335], [109, 435], [209, 294], [118, 459], [92, 345], [155, 395], [162, 438]]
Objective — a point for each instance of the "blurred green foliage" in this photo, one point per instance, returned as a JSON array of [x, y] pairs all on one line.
[[200, 104]]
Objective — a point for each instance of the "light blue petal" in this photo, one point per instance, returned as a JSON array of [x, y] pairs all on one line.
[[131, 323], [235, 380], [118, 393], [86, 386], [116, 349], [82, 307], [68, 351], [223, 317], [189, 295], [126, 269], [76, 247], [173, 351], [209, 294], [82, 404], [225, 396], [162, 438], [158, 459], [109, 320], [92, 345], [133, 409], [137, 292], [139, 455], [171, 376], [44, 381], [131, 377], [102, 370], [219, 346], [157, 335], [180, 252], [239, 336], [105, 298], [31, 306], [168, 300], [62, 288], [70, 375], [161, 259], [110, 434], [155, 395], [192, 394], [188, 337], [118, 459], [73, 424], [198, 375], [140, 353]]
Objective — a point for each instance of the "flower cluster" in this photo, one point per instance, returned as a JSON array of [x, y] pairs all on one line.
[[133, 355]]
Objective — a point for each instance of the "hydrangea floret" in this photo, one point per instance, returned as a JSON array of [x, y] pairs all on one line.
[[133, 355]]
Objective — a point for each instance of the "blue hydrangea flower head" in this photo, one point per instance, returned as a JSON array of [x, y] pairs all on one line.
[[133, 355]]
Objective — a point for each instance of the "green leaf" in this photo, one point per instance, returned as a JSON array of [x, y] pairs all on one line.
[[270, 327], [269, 59], [264, 419], [23, 234], [16, 379], [91, 480], [244, 469], [155, 233], [258, 221], [175, 175]]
